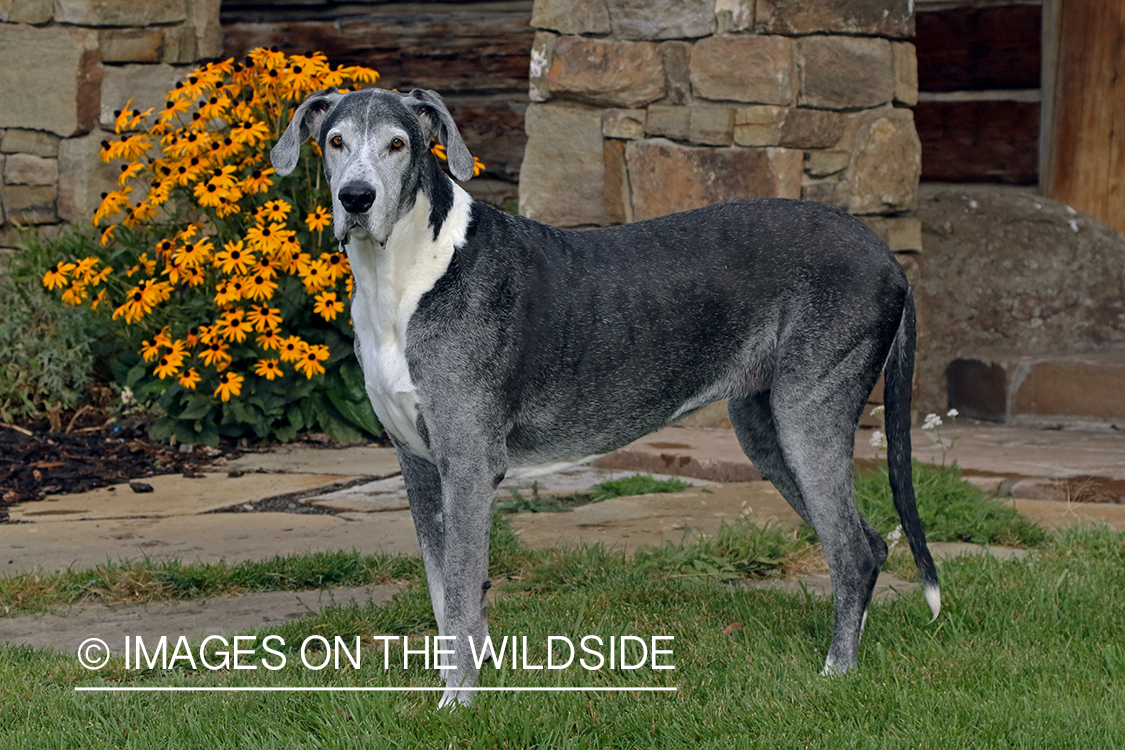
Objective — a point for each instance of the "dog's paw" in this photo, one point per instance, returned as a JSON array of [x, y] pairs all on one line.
[[454, 698]]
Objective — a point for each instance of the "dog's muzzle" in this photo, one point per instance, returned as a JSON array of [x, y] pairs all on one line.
[[356, 197]]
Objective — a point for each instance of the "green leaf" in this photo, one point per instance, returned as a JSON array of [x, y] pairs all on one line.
[[135, 374], [359, 414], [197, 408]]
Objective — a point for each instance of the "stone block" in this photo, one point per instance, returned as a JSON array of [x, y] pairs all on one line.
[[29, 204], [1072, 388], [563, 173], [618, 199], [20, 141], [668, 121], [623, 123], [132, 45], [903, 234], [677, 71], [893, 18], [886, 161], [661, 19], [758, 69], [119, 12], [611, 73], [203, 17], [542, 52], [906, 73], [179, 44], [826, 162], [571, 16], [840, 72], [29, 11], [733, 15], [811, 128], [666, 177], [146, 85], [711, 126], [759, 125], [830, 192], [28, 169], [84, 177], [59, 92]]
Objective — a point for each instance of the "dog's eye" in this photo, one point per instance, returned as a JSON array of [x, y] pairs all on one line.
[[336, 141], [397, 144]]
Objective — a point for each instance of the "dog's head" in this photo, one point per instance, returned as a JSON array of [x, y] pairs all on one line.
[[375, 144]]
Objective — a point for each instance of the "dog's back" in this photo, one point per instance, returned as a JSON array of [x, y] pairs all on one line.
[[600, 336]]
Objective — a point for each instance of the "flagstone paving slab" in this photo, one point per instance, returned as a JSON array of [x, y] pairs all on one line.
[[301, 458], [172, 494], [65, 630], [625, 523], [390, 494], [233, 537]]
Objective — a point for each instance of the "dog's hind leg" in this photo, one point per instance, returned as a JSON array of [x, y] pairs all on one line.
[[753, 425], [815, 421]]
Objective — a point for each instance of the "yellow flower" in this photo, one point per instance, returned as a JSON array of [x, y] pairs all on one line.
[[233, 258], [258, 182], [275, 210], [315, 276], [233, 326], [292, 348], [265, 239], [57, 275], [111, 204], [168, 365], [269, 339], [259, 287], [318, 219], [268, 368], [75, 294], [310, 359], [135, 306], [189, 378], [336, 264], [266, 267], [150, 351], [230, 384], [264, 317], [327, 306], [215, 354]]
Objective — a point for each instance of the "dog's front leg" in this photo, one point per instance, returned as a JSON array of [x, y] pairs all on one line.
[[470, 469]]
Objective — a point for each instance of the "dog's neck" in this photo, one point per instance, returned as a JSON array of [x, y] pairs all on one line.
[[390, 278]]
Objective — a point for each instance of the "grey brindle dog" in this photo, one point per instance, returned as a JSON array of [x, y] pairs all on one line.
[[492, 345]]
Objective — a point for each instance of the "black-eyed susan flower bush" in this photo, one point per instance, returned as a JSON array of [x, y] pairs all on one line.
[[224, 276]]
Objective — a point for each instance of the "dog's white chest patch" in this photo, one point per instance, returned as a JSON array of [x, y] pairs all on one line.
[[389, 282]]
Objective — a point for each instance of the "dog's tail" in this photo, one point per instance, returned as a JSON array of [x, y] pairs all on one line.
[[897, 392]]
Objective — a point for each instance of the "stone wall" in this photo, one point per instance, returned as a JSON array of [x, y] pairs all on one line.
[[66, 67], [645, 107]]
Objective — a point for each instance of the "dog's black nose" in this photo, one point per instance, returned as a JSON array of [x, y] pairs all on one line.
[[357, 197]]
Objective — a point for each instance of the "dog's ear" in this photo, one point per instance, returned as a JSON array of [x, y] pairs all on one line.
[[437, 122], [306, 121]]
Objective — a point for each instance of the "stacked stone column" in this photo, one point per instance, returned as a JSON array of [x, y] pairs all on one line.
[[66, 68], [641, 108]]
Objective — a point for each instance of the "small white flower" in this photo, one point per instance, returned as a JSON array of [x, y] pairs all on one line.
[[973, 204], [933, 421], [878, 440], [127, 396], [878, 411], [894, 537], [952, 413]]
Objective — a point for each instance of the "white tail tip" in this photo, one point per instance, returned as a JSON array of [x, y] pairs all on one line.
[[933, 598]]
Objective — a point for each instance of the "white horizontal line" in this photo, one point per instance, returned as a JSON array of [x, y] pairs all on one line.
[[237, 689]]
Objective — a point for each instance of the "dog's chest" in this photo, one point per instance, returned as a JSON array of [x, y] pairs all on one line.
[[389, 282]]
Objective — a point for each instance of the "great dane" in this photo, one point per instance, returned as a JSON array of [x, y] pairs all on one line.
[[492, 344]]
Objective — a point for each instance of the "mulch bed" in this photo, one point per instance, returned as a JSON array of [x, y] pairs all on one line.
[[35, 463]]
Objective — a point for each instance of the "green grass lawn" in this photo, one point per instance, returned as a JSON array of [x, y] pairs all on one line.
[[1026, 654]]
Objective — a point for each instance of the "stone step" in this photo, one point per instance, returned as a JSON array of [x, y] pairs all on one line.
[[1064, 389]]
